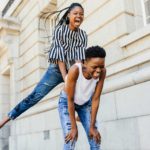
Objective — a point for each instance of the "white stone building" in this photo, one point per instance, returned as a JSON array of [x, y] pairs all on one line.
[[122, 28]]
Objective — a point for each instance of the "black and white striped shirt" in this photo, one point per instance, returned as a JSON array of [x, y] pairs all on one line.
[[67, 45]]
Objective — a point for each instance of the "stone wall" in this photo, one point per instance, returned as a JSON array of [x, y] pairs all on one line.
[[124, 114]]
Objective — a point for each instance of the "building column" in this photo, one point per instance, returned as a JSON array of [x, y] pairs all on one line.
[[9, 48], [4, 108]]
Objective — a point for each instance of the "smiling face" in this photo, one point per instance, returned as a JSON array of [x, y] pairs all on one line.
[[75, 16], [93, 67]]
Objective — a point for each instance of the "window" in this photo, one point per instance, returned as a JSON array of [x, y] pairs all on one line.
[[146, 11]]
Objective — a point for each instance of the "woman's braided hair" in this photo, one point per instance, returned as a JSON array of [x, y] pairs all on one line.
[[64, 19]]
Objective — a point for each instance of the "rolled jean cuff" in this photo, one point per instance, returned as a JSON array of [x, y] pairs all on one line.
[[12, 114]]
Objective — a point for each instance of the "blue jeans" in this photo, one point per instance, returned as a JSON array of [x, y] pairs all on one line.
[[84, 113], [51, 78]]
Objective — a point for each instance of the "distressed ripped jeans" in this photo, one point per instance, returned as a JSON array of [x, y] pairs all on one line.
[[84, 113], [51, 79]]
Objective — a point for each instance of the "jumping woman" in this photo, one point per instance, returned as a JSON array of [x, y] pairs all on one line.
[[68, 46]]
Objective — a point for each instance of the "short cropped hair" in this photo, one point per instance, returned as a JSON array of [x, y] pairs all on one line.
[[95, 51]]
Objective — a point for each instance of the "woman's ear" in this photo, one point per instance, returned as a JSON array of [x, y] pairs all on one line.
[[84, 67], [84, 63]]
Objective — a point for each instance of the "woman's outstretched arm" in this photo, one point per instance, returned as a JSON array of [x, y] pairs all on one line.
[[62, 68]]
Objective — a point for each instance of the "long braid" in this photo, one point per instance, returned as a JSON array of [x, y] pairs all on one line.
[[49, 14], [64, 17], [63, 20]]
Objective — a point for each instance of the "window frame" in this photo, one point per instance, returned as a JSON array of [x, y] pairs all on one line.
[[144, 12]]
